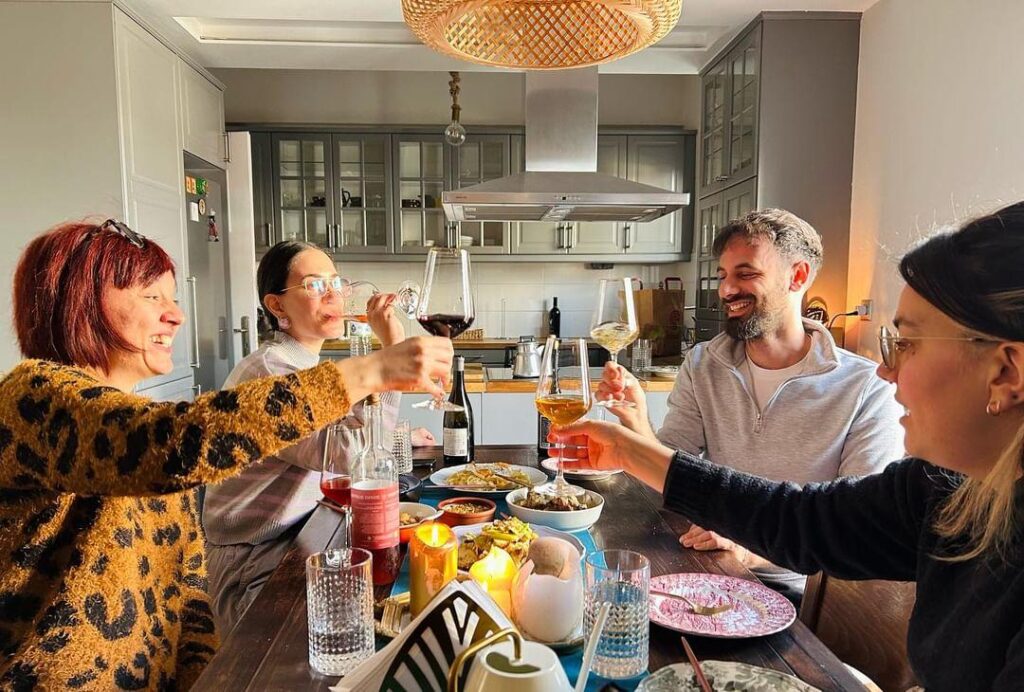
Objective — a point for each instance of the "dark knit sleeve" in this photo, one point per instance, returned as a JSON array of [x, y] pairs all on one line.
[[60, 431], [852, 528]]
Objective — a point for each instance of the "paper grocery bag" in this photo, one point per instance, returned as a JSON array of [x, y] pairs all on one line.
[[660, 317]]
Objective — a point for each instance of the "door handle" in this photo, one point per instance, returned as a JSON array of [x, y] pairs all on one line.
[[560, 238], [267, 234], [197, 389], [574, 230], [191, 281], [227, 148], [721, 178], [243, 330], [628, 242]]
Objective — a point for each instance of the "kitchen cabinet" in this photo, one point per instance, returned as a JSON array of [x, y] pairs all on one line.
[[434, 420], [303, 197], [481, 158], [202, 109], [777, 130], [319, 181], [263, 191], [729, 114]]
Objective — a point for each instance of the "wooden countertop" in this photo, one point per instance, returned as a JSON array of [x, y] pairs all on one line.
[[481, 344], [268, 648], [478, 383]]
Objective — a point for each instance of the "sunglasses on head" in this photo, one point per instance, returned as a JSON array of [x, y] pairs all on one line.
[[122, 229]]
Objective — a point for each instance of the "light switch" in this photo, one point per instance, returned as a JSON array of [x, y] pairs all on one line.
[[193, 211]]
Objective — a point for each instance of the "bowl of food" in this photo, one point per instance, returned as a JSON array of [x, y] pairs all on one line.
[[459, 511], [562, 513], [411, 515], [510, 534], [409, 488]]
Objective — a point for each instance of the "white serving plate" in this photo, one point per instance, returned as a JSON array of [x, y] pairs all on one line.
[[440, 478], [541, 531], [577, 520], [551, 466]]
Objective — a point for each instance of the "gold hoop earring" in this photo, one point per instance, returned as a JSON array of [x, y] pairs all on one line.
[[993, 408]]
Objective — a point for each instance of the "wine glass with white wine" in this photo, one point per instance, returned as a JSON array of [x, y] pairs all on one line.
[[563, 397], [614, 325]]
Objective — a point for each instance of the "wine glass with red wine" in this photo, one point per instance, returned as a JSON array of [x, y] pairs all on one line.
[[336, 472], [446, 304]]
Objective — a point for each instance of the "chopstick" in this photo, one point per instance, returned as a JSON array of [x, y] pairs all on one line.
[[701, 680]]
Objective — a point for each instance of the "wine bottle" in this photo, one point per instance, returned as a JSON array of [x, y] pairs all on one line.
[[458, 425], [375, 499], [555, 320]]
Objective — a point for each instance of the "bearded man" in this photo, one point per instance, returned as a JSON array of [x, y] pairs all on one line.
[[773, 395]]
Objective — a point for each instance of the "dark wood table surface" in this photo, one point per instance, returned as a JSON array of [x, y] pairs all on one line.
[[267, 650]]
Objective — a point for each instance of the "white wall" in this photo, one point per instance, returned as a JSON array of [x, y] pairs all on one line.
[[940, 109], [526, 287], [58, 134], [421, 98]]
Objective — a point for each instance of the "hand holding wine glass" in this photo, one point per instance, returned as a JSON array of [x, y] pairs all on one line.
[[563, 397], [445, 307], [614, 325]]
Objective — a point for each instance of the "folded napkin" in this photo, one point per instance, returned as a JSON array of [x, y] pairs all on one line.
[[420, 657]]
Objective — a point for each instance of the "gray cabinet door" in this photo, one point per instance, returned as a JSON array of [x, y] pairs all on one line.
[[603, 237], [738, 200], [664, 162], [262, 191], [422, 166], [482, 158], [709, 219], [714, 110], [303, 195], [362, 194], [744, 76], [535, 237]]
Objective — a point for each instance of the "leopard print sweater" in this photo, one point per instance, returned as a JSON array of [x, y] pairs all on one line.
[[102, 573]]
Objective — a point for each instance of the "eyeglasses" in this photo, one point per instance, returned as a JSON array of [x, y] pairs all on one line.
[[319, 286], [891, 344], [136, 239]]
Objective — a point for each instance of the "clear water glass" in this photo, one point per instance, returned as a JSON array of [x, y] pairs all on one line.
[[641, 359], [621, 578], [402, 446], [339, 604]]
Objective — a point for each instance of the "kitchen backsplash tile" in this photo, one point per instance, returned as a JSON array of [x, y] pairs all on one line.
[[526, 287]]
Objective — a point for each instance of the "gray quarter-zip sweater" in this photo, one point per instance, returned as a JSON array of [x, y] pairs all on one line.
[[835, 418]]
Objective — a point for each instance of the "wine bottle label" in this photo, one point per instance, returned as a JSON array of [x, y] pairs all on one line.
[[456, 442], [374, 514]]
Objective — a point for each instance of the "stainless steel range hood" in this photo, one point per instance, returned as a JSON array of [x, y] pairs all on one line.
[[561, 182]]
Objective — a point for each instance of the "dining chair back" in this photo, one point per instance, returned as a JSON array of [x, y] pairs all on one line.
[[865, 624]]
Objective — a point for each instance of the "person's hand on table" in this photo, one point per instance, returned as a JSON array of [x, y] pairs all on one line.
[[618, 384], [383, 320], [421, 437], [604, 445], [701, 539]]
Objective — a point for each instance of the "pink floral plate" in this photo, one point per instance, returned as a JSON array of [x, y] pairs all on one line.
[[756, 610]]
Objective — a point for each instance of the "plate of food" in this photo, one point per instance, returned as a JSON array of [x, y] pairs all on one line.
[[510, 534], [551, 466], [754, 610], [721, 675], [663, 372], [563, 513], [488, 479]]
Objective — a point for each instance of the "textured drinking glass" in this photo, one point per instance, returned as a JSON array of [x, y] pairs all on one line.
[[641, 355], [621, 578], [402, 446], [339, 604]]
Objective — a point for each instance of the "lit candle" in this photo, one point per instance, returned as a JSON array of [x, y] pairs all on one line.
[[495, 573], [433, 562]]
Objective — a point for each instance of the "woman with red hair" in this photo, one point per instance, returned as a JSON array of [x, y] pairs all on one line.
[[102, 571]]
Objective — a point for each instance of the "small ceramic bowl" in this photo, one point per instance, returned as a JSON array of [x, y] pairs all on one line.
[[409, 488], [418, 510], [461, 518]]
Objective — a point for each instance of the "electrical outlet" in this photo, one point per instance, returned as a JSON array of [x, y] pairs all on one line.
[[865, 315]]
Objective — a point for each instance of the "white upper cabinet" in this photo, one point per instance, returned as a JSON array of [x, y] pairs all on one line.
[[202, 114]]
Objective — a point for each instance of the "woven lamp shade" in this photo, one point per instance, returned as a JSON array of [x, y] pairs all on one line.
[[540, 34]]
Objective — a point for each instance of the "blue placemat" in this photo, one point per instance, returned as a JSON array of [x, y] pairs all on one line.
[[572, 660]]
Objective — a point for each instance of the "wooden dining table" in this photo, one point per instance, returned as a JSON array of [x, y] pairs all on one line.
[[267, 650]]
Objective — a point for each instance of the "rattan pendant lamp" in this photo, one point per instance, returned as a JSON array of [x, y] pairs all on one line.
[[540, 34]]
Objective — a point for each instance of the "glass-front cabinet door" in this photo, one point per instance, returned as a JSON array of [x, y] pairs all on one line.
[[479, 159], [422, 163], [713, 118], [362, 211], [744, 71], [302, 190]]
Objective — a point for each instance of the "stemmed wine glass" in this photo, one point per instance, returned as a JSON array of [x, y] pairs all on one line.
[[446, 304], [563, 397], [614, 325], [358, 294], [336, 472]]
